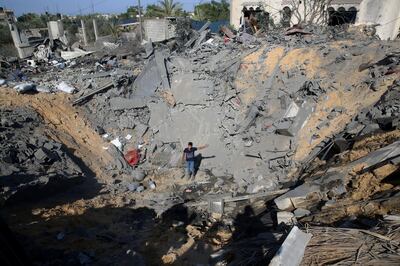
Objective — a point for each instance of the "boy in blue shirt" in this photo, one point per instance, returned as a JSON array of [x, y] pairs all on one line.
[[189, 157]]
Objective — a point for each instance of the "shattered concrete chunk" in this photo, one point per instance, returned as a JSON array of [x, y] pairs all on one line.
[[292, 250], [148, 80], [119, 103], [297, 197], [298, 213], [63, 86], [286, 218], [288, 128], [162, 69]]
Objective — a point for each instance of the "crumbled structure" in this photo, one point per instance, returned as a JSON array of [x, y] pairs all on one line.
[[302, 128]]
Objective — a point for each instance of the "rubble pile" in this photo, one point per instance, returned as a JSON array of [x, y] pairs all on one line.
[[299, 128], [32, 165]]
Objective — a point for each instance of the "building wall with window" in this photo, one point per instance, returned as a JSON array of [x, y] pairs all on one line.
[[338, 12]]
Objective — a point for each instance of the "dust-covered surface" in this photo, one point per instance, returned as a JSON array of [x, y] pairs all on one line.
[[299, 130]]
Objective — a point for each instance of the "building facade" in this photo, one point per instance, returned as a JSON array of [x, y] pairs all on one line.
[[6, 16], [386, 13]]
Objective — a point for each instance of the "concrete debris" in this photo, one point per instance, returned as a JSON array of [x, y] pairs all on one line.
[[117, 143], [286, 218], [25, 87], [46, 165], [76, 53], [119, 103], [149, 48], [292, 250], [63, 86], [139, 175], [299, 213], [299, 197], [292, 127], [289, 126], [228, 32]]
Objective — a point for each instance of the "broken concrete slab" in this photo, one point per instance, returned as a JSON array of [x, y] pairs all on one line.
[[286, 218], [193, 39], [292, 250], [298, 197], [148, 80], [288, 128], [298, 213], [162, 69], [378, 157], [119, 103], [292, 110], [188, 89]]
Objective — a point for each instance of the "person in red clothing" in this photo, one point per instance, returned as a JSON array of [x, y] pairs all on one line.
[[189, 157]]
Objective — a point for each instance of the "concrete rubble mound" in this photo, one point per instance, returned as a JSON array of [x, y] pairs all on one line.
[[300, 130], [32, 165]]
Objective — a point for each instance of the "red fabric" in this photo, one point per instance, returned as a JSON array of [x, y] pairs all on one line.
[[132, 157], [226, 39]]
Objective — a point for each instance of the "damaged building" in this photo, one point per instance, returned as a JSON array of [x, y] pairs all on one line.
[[383, 13]]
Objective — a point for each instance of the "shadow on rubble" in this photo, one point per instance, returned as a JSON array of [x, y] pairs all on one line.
[[125, 236], [55, 189], [198, 159], [102, 236], [253, 241], [98, 236]]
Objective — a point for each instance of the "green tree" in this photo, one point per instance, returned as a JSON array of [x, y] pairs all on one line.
[[153, 11], [169, 8], [31, 20], [212, 11]]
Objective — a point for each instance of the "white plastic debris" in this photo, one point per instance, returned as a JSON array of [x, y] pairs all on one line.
[[110, 45], [42, 52], [128, 137], [292, 250], [292, 110], [25, 87], [65, 87], [117, 143], [152, 184], [105, 136], [67, 55], [43, 89], [31, 63], [2, 82]]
